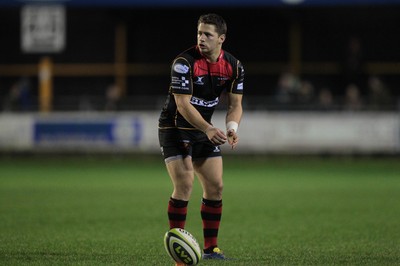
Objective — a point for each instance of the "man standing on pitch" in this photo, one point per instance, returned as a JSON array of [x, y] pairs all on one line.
[[189, 142]]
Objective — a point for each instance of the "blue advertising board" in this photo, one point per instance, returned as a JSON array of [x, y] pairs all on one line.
[[105, 133]]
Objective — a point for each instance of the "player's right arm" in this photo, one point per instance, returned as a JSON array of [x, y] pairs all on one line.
[[187, 110]]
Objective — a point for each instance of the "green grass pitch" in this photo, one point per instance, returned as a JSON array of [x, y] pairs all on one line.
[[111, 210]]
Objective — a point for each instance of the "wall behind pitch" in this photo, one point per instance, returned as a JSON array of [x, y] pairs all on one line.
[[321, 132], [260, 132]]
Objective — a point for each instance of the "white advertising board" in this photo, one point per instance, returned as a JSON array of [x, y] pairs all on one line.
[[260, 132], [320, 132], [15, 132]]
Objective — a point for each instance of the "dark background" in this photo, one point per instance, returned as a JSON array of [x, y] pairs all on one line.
[[257, 36]]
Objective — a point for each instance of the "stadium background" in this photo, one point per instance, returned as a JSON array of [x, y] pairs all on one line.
[[115, 58], [310, 39]]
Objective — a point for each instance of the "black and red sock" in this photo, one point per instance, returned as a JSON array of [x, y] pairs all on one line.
[[177, 210], [211, 211]]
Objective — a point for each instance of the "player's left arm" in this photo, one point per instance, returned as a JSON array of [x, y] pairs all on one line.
[[235, 110], [233, 117]]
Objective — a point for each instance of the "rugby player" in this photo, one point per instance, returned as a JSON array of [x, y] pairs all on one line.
[[189, 142]]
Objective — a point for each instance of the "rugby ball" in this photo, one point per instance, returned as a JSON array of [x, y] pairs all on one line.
[[182, 246]]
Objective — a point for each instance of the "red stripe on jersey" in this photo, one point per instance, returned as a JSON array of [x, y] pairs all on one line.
[[222, 68]]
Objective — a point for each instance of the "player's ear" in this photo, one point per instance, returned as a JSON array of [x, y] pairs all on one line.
[[222, 38]]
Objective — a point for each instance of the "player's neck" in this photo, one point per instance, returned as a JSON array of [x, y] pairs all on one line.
[[213, 56]]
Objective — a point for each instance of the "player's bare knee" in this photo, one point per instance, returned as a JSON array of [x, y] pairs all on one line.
[[214, 191], [186, 187], [183, 191], [183, 184], [218, 191]]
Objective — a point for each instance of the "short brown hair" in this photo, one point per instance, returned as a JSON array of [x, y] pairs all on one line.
[[216, 20]]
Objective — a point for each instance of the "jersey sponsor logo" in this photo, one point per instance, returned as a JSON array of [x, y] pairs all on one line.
[[222, 81], [201, 102], [184, 81], [182, 69], [199, 81], [180, 83], [180, 88], [240, 87], [175, 80]]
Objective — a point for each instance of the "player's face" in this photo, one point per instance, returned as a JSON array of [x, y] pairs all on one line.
[[208, 40]]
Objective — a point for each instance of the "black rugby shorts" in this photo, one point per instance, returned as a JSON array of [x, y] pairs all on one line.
[[178, 143]]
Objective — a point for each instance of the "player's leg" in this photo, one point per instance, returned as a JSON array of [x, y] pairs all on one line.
[[209, 172], [182, 176], [178, 161]]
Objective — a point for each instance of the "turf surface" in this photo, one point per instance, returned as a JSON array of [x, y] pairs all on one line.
[[277, 211]]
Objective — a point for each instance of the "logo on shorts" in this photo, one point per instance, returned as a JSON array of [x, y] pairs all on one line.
[[216, 149]]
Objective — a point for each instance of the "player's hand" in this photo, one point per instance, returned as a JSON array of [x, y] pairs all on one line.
[[233, 138], [216, 136]]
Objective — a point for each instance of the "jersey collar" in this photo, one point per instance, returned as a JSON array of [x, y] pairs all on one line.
[[219, 57]]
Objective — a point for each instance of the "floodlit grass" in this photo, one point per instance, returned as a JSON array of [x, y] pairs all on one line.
[[277, 211]]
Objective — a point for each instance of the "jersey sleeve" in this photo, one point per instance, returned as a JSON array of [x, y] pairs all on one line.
[[181, 82], [237, 85]]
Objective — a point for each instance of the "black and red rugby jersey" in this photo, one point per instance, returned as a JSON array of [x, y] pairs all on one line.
[[193, 75]]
